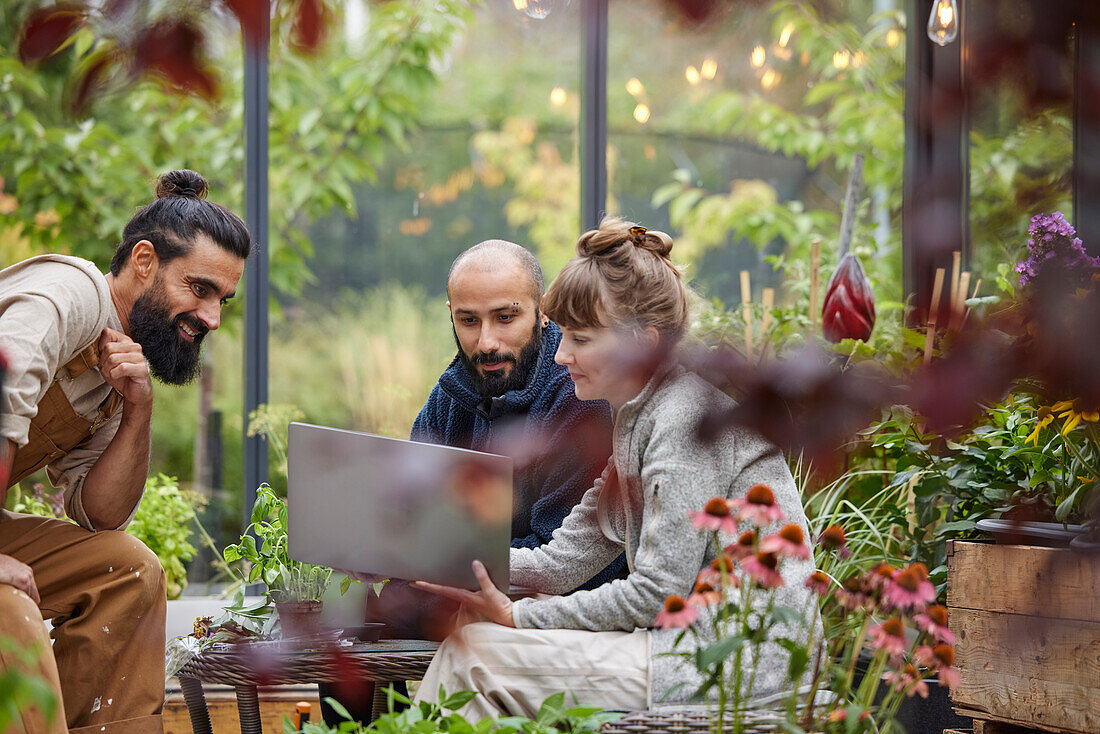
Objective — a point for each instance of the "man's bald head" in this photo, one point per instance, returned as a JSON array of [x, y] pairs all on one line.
[[493, 255]]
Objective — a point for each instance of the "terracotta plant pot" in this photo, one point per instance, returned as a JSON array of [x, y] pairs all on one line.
[[299, 618]]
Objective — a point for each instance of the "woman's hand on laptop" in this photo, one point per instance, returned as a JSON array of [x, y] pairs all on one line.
[[490, 602]]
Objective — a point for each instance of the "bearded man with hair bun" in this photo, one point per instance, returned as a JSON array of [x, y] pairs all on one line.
[[81, 347]]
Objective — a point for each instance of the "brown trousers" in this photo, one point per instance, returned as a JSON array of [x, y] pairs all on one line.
[[105, 594]]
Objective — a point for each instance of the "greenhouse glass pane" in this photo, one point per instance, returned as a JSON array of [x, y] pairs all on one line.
[[1021, 136], [737, 135]]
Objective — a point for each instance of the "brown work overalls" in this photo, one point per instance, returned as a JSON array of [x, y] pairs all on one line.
[[104, 592]]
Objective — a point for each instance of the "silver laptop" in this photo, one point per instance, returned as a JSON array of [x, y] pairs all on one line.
[[399, 509]]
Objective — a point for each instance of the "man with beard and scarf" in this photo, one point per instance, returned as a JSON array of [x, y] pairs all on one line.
[[78, 399], [502, 394]]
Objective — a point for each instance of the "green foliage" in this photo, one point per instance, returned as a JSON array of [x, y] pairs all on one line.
[[1010, 460], [21, 689], [553, 717], [163, 523], [331, 118], [39, 501]]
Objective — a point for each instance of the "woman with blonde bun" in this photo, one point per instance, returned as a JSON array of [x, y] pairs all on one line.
[[623, 308]]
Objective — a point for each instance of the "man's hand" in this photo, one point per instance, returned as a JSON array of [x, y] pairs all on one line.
[[124, 368], [19, 575], [490, 602]]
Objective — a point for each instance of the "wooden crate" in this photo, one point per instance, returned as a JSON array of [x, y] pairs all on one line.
[[1028, 625]]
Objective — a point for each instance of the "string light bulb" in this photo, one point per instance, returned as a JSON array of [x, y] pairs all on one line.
[[557, 96], [641, 114], [943, 23], [709, 68], [758, 57], [692, 75], [785, 35], [634, 86]]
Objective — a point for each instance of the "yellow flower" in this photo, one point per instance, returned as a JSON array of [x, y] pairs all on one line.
[[1074, 412], [1046, 415]]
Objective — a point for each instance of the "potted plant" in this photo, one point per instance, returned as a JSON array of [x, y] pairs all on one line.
[[294, 587]]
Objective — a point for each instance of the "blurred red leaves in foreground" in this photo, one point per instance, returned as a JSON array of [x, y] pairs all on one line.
[[814, 403], [310, 27], [171, 48], [47, 29]]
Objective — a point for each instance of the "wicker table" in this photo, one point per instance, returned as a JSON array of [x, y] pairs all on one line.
[[249, 665]]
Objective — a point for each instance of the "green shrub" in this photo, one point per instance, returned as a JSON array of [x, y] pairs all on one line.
[[163, 522]]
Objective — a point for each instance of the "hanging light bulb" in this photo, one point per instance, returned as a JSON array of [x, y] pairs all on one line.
[[709, 68], [537, 9], [692, 75], [943, 23], [634, 86], [641, 113], [558, 96]]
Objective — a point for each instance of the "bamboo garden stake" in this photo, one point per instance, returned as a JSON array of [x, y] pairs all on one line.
[[768, 296], [960, 303], [746, 311], [815, 268], [956, 262], [933, 309], [966, 315]]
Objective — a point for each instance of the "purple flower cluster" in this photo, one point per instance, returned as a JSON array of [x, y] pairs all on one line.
[[1052, 238]]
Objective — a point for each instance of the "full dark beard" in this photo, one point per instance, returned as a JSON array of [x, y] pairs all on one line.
[[492, 384], [172, 359]]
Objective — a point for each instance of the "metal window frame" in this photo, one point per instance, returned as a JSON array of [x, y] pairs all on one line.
[[256, 267]]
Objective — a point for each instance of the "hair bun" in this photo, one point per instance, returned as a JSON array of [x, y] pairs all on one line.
[[657, 242], [614, 233], [184, 183]]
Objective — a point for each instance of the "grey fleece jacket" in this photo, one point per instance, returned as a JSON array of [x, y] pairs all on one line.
[[665, 472]]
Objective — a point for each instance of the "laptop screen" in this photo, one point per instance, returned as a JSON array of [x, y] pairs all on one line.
[[399, 509]]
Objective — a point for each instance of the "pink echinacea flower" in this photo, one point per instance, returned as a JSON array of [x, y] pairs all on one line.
[[758, 505], [704, 595], [910, 589], [715, 516], [676, 613], [762, 568], [934, 622], [889, 636], [788, 542]]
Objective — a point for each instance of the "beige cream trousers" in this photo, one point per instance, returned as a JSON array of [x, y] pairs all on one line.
[[105, 594], [515, 670]]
